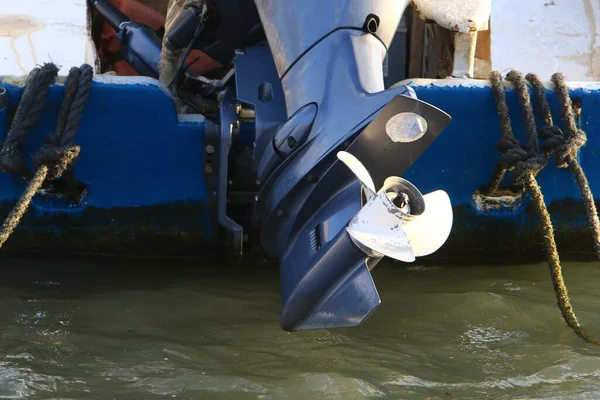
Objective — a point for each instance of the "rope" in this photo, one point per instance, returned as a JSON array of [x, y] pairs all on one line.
[[565, 147], [13, 219], [26, 116], [522, 161], [526, 163], [59, 152]]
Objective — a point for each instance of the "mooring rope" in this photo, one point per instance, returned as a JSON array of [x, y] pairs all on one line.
[[525, 164], [565, 147], [59, 152], [27, 115]]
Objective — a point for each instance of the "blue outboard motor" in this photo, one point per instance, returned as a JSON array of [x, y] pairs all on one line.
[[327, 135]]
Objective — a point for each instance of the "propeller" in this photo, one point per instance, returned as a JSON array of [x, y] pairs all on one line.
[[398, 221]]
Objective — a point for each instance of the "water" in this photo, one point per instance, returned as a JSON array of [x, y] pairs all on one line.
[[115, 330]]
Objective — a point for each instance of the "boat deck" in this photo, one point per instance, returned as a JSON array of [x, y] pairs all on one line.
[[547, 36]]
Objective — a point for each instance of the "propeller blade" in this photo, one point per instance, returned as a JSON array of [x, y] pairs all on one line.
[[359, 170], [430, 230], [380, 232], [393, 244]]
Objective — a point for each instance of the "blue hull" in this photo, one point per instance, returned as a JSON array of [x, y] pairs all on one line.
[[464, 156], [143, 168]]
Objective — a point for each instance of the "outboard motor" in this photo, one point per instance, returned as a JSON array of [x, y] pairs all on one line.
[[323, 135], [327, 135], [329, 227]]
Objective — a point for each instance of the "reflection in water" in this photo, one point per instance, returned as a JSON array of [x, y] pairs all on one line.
[[100, 329]]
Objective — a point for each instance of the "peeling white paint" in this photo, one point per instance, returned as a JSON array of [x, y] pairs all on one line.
[[191, 118], [455, 82], [128, 80], [457, 15], [110, 78], [494, 203]]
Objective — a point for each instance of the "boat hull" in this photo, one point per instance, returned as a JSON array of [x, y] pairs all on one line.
[[143, 168], [464, 156]]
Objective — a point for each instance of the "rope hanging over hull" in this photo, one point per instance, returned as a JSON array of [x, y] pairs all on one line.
[[57, 155], [526, 162]]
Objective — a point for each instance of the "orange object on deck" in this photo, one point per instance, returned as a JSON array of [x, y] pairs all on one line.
[[138, 12]]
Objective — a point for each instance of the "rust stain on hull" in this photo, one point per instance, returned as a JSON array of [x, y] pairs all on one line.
[[14, 26]]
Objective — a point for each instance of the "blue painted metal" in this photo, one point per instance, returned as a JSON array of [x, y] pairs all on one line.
[[134, 150], [136, 154], [229, 117], [464, 156], [257, 84], [325, 279], [336, 291], [343, 64], [145, 156], [307, 196]]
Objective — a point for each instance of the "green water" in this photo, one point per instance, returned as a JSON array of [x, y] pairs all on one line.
[[202, 330]]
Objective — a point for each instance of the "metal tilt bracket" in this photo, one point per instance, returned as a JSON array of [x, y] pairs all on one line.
[[218, 139]]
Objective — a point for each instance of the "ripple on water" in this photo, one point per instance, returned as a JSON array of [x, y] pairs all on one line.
[[482, 336], [441, 333], [22, 383], [577, 371]]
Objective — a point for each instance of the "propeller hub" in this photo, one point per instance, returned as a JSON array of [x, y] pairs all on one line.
[[397, 221]]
